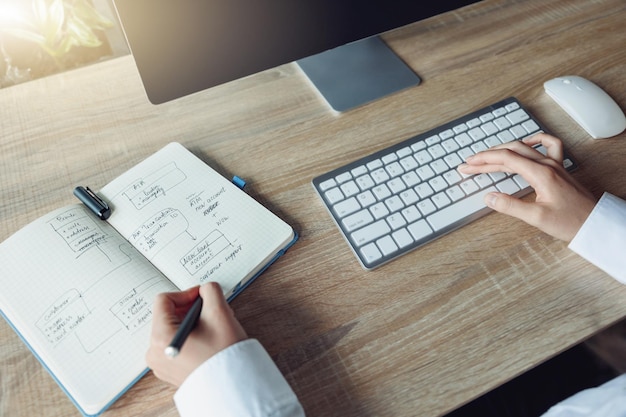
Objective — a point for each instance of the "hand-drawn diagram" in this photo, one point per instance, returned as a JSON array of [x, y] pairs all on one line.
[[158, 231], [204, 252], [64, 317], [134, 308], [147, 189], [129, 311], [78, 230], [67, 312]]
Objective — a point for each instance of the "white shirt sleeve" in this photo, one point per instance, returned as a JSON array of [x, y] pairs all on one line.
[[602, 238], [242, 381], [602, 241], [607, 400]]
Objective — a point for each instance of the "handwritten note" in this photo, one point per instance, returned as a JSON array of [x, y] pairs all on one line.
[[145, 190]]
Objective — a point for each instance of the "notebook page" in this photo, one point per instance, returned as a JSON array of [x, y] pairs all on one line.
[[81, 297], [191, 222]]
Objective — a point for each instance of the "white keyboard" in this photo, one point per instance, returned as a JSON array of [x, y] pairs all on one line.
[[402, 197]]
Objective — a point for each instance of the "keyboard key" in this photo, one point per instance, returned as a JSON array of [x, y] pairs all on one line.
[[438, 184], [409, 163], [396, 185], [394, 203], [486, 117], [450, 145], [483, 180], [502, 123], [426, 207], [459, 210], [411, 179], [437, 151], [386, 245], [453, 160], [328, 184], [402, 237], [418, 146], [518, 132], [489, 128], [341, 178], [394, 169], [507, 186], [366, 199], [499, 112], [396, 221], [439, 166], [492, 141], [346, 207], [473, 122], [518, 116], [379, 210], [420, 229], [357, 220], [380, 175], [358, 171], [411, 214], [477, 134], [460, 128], [423, 157], [381, 192], [479, 147], [455, 193], [375, 164], [469, 186], [371, 232], [452, 177], [464, 140], [424, 190], [350, 188], [425, 172], [506, 136], [409, 197], [333, 195], [404, 152], [371, 253], [446, 134], [365, 182], [440, 200], [387, 159], [531, 126], [511, 106]]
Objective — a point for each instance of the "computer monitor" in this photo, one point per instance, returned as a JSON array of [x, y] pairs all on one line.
[[184, 46]]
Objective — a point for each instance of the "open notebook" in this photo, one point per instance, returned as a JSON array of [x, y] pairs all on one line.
[[79, 290]]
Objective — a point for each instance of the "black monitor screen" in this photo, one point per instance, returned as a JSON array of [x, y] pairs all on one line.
[[184, 46]]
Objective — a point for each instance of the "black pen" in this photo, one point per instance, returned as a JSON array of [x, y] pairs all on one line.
[[188, 324], [94, 203]]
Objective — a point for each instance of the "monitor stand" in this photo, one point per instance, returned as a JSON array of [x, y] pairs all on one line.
[[357, 73]]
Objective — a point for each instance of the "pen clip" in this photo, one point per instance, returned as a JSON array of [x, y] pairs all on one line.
[[97, 205]]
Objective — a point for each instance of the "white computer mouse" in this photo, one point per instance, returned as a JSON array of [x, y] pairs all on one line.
[[589, 105]]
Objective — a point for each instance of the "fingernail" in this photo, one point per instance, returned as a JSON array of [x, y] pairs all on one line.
[[469, 158], [490, 200]]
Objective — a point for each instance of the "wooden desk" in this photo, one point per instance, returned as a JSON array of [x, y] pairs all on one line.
[[419, 336]]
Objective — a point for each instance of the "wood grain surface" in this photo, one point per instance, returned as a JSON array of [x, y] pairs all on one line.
[[419, 336]]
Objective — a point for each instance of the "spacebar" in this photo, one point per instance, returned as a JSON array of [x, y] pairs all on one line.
[[459, 210]]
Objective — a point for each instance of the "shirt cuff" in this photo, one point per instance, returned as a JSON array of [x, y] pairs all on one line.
[[602, 238], [241, 380]]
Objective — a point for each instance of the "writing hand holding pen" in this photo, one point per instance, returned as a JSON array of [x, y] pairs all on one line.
[[216, 329]]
